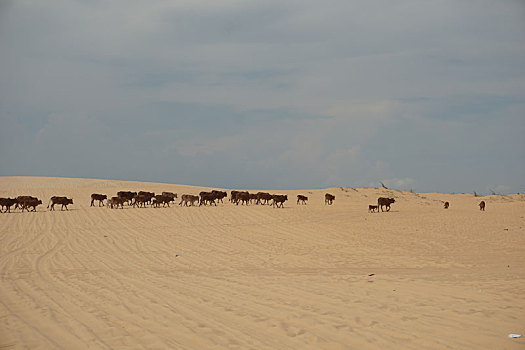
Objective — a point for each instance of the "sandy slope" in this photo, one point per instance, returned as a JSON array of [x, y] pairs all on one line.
[[261, 278]]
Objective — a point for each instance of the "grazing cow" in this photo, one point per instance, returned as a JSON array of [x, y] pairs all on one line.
[[278, 200], [7, 203], [114, 202], [253, 197], [263, 197], [127, 195], [372, 208], [30, 203], [301, 198], [482, 205], [446, 205], [329, 198], [219, 195], [381, 201], [188, 198], [64, 201], [98, 197]]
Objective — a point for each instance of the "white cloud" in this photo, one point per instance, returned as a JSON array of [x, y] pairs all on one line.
[[389, 88]]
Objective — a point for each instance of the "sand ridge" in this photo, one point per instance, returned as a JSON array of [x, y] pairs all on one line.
[[259, 277]]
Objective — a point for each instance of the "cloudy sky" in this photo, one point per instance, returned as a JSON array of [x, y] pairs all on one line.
[[422, 95]]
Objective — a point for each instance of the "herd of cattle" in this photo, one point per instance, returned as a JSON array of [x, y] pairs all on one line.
[[143, 199], [29, 202]]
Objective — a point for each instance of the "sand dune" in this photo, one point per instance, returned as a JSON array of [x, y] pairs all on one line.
[[254, 277]]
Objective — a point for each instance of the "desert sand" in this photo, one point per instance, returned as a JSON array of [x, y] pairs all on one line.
[[255, 277]]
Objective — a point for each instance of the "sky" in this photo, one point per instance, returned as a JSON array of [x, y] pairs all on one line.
[[419, 95]]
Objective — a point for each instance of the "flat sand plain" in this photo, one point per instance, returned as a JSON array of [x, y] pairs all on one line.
[[255, 277]]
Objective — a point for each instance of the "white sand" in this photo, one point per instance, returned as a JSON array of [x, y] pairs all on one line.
[[261, 278]]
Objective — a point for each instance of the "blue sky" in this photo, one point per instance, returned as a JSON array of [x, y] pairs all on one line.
[[419, 95]]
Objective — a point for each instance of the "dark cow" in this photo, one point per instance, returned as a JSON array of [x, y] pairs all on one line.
[[161, 199], [171, 195], [243, 197], [64, 201], [263, 197], [233, 196], [372, 208], [207, 197], [219, 195], [302, 199], [188, 198], [482, 205], [278, 200], [30, 203], [446, 205], [127, 195], [21, 199], [329, 198], [141, 200], [7, 203], [381, 201], [98, 197], [253, 197], [114, 202], [149, 195]]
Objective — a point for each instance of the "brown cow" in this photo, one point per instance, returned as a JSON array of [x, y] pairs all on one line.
[[278, 200], [243, 197], [482, 205], [64, 201], [21, 199], [301, 198], [114, 202], [219, 195], [149, 195], [329, 198], [7, 203], [372, 208], [127, 195], [381, 201], [206, 197], [98, 197], [141, 200], [161, 199], [188, 198], [30, 203], [233, 196], [263, 197], [171, 195], [447, 204]]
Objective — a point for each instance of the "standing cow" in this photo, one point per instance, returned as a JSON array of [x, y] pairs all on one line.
[[59, 200], [7, 203], [301, 198], [482, 205], [381, 201], [98, 197], [329, 198]]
